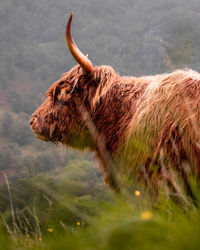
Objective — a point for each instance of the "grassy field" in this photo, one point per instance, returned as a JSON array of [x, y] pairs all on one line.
[[83, 217]]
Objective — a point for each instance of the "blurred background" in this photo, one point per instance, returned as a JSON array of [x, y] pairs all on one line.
[[51, 187]]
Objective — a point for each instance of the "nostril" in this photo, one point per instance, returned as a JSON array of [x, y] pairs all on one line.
[[34, 117], [31, 121]]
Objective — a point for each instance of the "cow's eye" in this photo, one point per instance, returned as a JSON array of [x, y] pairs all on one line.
[[67, 92], [61, 83], [55, 94]]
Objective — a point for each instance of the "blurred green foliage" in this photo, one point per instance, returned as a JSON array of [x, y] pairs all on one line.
[[66, 220]]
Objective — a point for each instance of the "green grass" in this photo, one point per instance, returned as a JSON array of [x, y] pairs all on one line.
[[131, 222], [70, 208]]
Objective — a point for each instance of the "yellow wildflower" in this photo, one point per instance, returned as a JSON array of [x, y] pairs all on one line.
[[78, 223], [50, 230], [40, 238], [137, 193], [147, 215]]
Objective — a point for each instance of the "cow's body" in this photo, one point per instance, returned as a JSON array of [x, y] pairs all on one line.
[[149, 126]]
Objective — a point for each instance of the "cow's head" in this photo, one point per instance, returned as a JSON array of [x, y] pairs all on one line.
[[58, 118]]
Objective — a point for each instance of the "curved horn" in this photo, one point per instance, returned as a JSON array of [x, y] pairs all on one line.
[[76, 53]]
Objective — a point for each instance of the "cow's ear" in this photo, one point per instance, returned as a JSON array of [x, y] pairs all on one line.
[[81, 71]]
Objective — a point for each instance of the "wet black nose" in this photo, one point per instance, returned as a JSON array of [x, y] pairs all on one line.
[[34, 118]]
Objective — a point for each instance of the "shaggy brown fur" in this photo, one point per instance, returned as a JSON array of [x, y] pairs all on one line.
[[150, 122]]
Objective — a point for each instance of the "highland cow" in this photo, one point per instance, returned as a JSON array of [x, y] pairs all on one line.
[[140, 127]]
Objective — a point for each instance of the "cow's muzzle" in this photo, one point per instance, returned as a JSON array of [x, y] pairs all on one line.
[[33, 120]]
